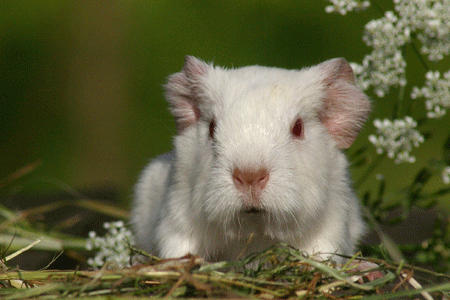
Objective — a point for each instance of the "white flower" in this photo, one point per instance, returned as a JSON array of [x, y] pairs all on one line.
[[446, 175], [385, 65], [436, 93], [430, 20], [379, 176], [381, 70], [397, 139], [387, 33], [344, 6], [427, 20], [112, 247]]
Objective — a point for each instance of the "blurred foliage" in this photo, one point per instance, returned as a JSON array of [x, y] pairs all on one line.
[[58, 59], [81, 82]]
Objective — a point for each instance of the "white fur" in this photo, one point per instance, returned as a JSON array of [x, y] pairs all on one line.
[[188, 203]]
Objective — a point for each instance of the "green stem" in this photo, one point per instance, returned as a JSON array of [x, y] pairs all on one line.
[[424, 65], [369, 170], [398, 109], [419, 55]]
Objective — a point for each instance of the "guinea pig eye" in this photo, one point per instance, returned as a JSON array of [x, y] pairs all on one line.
[[297, 129], [212, 128]]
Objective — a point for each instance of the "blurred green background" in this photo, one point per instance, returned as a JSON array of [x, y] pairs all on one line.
[[81, 81]]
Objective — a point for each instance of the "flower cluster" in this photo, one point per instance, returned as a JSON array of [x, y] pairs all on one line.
[[427, 20], [436, 92], [114, 246], [344, 6], [430, 19], [385, 66], [397, 138]]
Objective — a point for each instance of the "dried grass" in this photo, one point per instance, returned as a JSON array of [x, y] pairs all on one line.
[[279, 272]]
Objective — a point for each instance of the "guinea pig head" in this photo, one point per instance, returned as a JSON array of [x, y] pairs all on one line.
[[267, 140]]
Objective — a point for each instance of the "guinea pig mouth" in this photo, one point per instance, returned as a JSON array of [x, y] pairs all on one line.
[[253, 210]]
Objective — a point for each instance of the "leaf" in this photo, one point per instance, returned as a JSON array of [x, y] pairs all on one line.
[[381, 188], [430, 204], [446, 151], [427, 135], [366, 198], [358, 152], [419, 182], [359, 163], [441, 192]]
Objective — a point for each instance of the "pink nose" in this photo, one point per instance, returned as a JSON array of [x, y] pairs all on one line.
[[253, 181]]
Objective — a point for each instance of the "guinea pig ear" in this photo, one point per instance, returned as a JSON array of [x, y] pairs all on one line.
[[182, 92], [345, 106]]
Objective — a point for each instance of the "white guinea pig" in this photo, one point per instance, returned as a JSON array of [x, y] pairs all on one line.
[[257, 161]]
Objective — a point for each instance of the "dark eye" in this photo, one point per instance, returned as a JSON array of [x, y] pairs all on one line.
[[212, 128], [297, 129]]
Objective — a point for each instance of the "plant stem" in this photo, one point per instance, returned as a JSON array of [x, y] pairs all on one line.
[[419, 55], [399, 106], [369, 170]]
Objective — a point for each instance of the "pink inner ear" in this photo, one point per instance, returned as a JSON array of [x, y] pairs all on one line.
[[186, 114], [337, 128], [182, 92], [194, 68], [345, 107]]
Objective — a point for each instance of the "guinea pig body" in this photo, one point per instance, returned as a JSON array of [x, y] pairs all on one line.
[[257, 161]]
